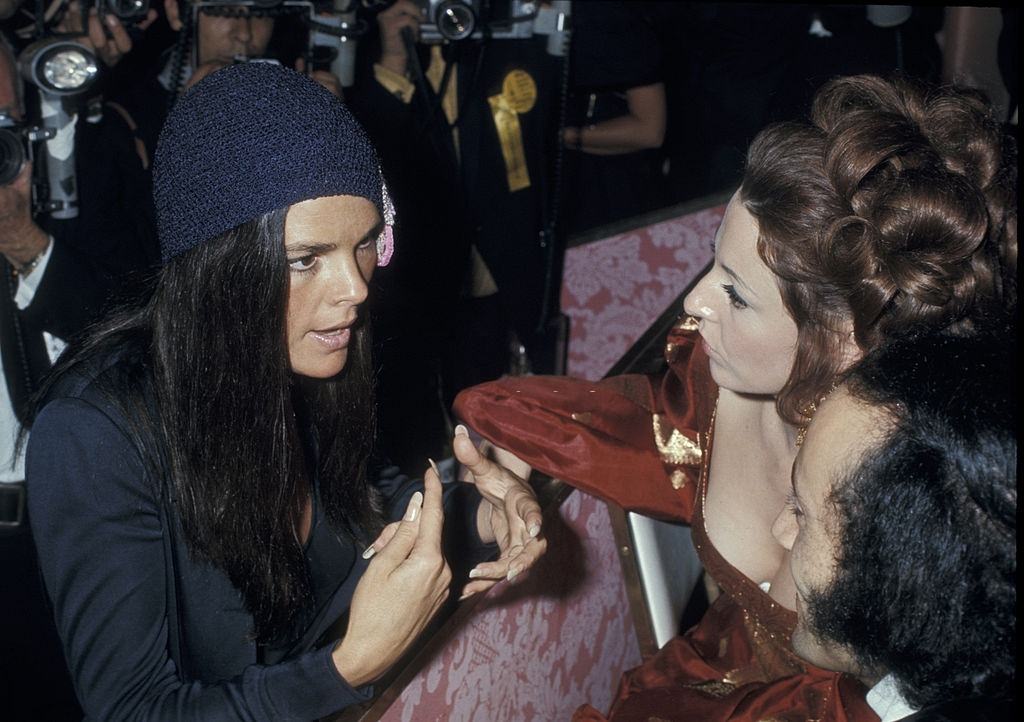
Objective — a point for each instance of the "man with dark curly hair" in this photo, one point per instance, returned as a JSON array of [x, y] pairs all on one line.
[[903, 532]]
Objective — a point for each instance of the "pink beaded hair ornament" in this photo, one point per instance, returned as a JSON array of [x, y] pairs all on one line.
[[386, 239]]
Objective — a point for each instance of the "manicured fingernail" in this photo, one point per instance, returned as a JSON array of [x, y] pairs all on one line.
[[461, 430], [433, 465], [370, 551], [534, 530], [110, 20], [414, 506], [475, 573], [513, 573]]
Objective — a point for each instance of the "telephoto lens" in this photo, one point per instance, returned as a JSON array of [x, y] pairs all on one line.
[[455, 20]]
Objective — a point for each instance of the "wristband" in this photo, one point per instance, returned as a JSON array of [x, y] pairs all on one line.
[[23, 269]]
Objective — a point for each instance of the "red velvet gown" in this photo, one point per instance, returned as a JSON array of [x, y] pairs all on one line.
[[644, 442]]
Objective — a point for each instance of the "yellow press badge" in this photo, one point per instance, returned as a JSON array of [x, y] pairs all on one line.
[[519, 90], [518, 95]]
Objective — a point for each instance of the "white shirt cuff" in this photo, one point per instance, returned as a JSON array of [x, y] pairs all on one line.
[[28, 283]]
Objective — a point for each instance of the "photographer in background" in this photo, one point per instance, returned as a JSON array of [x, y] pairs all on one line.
[[617, 117], [58, 270], [218, 34], [465, 130], [47, 294]]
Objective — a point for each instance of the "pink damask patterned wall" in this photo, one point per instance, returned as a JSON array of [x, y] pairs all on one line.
[[613, 289], [535, 651]]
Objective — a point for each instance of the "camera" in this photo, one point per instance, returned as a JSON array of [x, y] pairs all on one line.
[[453, 20], [336, 32], [62, 70], [461, 19], [127, 11], [16, 141]]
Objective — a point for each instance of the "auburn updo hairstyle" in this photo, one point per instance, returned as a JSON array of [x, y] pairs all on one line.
[[893, 211]]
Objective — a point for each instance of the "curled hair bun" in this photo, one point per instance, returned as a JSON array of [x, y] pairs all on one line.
[[921, 176], [892, 212]]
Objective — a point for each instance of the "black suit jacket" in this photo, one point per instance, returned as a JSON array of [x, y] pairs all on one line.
[[69, 296], [444, 201]]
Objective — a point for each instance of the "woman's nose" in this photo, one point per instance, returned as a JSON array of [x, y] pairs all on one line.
[[242, 29], [696, 302], [349, 285]]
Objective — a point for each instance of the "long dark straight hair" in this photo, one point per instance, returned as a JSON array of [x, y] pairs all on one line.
[[208, 353]]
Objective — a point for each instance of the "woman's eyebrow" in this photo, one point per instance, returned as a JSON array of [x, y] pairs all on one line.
[[316, 248], [735, 277], [312, 248]]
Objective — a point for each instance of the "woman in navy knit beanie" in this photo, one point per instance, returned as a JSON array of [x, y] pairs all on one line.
[[197, 467]]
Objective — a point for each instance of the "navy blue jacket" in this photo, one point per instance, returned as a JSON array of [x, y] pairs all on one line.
[[148, 638]]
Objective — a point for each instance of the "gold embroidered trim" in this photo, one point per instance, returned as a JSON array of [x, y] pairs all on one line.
[[688, 323], [677, 449]]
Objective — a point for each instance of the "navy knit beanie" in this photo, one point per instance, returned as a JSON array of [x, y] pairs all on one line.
[[251, 138]]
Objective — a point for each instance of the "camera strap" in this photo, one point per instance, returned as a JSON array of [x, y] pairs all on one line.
[[140, 147], [17, 373]]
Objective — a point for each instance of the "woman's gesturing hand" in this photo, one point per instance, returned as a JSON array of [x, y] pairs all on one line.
[[402, 589], [509, 514]]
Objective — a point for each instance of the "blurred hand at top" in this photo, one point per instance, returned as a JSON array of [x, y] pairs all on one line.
[[104, 34], [403, 14]]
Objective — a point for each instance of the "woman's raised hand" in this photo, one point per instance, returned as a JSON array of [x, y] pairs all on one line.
[[509, 514], [402, 589]]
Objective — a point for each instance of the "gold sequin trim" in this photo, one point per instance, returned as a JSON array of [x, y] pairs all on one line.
[[677, 449], [714, 688]]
